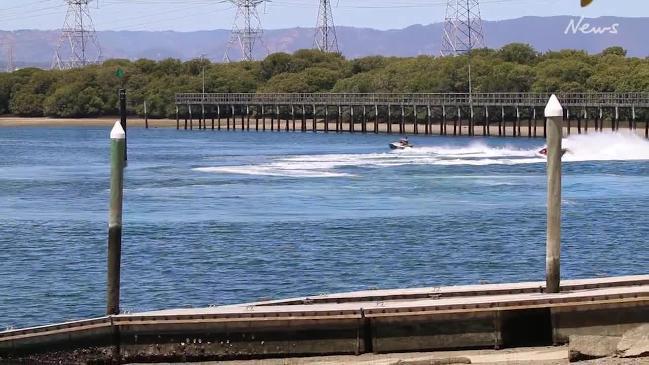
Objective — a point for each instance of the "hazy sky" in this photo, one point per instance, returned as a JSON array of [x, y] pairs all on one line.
[[189, 15]]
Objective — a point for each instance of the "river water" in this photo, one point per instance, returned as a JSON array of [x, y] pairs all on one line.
[[219, 218]]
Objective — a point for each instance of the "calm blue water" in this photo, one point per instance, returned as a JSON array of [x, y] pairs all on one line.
[[217, 218]]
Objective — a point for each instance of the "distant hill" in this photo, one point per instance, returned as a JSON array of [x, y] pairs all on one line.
[[35, 48]]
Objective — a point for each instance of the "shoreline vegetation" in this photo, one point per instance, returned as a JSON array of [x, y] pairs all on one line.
[[90, 92]]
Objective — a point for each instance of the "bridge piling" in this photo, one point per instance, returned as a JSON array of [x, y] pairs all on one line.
[[442, 127], [364, 120], [376, 118], [622, 109], [177, 119]]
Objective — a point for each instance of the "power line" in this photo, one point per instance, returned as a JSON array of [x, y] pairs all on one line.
[[325, 30], [78, 45]]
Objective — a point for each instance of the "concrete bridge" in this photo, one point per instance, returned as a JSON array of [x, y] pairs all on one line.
[[486, 114]]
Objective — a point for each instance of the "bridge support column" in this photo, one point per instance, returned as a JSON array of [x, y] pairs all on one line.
[[616, 123], [415, 120], [534, 117], [458, 120], [263, 117], [293, 116], [191, 118], [326, 118], [517, 125], [471, 120], [585, 120], [247, 117], [202, 118], [218, 117], [529, 122], [351, 118], [442, 129], [632, 121], [428, 120], [486, 129], [315, 120], [376, 118], [243, 119], [389, 118], [234, 118], [303, 124], [502, 122], [286, 124], [578, 123], [227, 119], [339, 119], [402, 125], [177, 119], [364, 120]]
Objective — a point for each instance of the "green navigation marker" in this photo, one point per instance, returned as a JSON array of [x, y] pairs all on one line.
[[119, 73]]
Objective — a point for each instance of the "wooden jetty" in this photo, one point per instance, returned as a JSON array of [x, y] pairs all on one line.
[[486, 114], [378, 321]]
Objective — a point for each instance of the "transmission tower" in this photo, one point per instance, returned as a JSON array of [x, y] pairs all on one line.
[[246, 31], [325, 30], [462, 27], [9, 51], [10, 56], [78, 45]]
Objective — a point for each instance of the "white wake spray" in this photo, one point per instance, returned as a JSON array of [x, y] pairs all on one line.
[[622, 146], [591, 147]]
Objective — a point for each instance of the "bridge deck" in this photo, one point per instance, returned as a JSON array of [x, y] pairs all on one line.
[[638, 99]]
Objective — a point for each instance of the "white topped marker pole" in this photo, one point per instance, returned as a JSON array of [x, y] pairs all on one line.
[[554, 115], [117, 163]]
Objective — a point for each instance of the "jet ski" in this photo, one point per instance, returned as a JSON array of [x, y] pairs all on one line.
[[400, 145], [544, 152]]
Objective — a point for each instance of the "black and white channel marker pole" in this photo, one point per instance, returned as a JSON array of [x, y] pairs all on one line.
[[117, 163], [554, 116]]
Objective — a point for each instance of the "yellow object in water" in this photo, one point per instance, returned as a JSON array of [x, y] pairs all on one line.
[[586, 2]]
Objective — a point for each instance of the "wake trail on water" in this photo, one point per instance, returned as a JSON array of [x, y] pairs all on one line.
[[591, 147]]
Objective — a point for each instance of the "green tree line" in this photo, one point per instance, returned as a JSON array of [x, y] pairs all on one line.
[[92, 90]]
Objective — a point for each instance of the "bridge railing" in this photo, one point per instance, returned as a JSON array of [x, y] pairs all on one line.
[[637, 99]]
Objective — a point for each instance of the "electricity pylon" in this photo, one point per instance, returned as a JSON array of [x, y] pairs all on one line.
[[462, 27], [462, 34], [325, 30], [78, 45], [246, 31], [10, 56]]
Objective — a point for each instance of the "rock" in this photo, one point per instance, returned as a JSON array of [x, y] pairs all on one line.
[[635, 342], [591, 347]]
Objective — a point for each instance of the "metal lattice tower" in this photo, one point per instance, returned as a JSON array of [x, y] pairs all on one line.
[[325, 30], [462, 27], [246, 31], [10, 56], [78, 45]]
